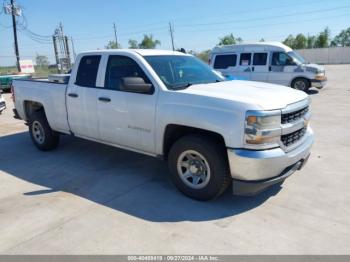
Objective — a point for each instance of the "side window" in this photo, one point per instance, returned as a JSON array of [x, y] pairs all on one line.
[[281, 59], [245, 59], [225, 61], [119, 67], [87, 71], [260, 59]]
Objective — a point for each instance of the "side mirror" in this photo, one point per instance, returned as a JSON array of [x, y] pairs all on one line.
[[136, 85]]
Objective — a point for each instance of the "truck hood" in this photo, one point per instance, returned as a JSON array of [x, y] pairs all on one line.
[[266, 96]]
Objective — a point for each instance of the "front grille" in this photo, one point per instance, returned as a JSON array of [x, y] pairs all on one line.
[[294, 137], [294, 116]]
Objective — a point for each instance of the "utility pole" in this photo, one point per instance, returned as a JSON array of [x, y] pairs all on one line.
[[67, 51], [13, 13], [54, 39], [62, 40], [73, 48], [61, 48], [171, 30], [115, 35]]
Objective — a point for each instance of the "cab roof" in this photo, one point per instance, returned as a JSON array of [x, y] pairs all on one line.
[[142, 52]]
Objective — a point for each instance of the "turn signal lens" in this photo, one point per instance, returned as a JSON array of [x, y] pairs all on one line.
[[252, 120], [320, 77], [261, 140]]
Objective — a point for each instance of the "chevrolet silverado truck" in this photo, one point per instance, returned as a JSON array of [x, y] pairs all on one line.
[[172, 106]]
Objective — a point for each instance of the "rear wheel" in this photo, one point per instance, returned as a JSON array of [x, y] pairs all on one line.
[[43, 137], [199, 167], [302, 84]]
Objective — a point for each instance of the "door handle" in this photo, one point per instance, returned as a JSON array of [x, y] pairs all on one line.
[[270, 68], [73, 95], [253, 68], [104, 99]]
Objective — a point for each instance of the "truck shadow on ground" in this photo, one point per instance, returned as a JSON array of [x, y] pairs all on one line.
[[312, 91], [128, 182]]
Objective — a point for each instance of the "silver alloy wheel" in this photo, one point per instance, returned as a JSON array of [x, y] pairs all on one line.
[[193, 169], [38, 132], [299, 85]]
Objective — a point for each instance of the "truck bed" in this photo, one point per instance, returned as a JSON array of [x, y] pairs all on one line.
[[51, 95]]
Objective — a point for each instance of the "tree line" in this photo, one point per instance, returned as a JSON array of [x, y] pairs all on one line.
[[321, 40], [146, 43]]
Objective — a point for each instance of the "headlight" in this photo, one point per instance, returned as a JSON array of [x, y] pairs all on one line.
[[320, 77], [262, 129]]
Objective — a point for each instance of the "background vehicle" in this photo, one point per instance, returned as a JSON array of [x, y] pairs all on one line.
[[6, 80], [172, 106], [2, 103], [268, 62]]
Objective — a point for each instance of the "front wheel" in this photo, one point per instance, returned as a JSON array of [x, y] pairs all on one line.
[[301, 84], [43, 137], [199, 167]]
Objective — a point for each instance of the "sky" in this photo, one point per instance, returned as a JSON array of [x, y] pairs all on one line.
[[198, 24]]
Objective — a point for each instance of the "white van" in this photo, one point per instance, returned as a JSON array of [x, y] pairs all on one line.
[[271, 62]]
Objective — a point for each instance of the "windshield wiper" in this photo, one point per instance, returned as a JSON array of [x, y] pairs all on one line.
[[181, 86]]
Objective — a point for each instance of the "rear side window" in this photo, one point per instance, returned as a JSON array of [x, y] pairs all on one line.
[[119, 67], [245, 59], [260, 59], [225, 61], [87, 71]]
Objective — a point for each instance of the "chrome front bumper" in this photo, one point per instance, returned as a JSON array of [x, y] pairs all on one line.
[[262, 165], [318, 83]]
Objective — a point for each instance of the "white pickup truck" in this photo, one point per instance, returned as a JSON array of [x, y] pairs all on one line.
[[172, 106]]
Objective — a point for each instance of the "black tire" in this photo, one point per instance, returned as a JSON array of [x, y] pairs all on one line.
[[50, 138], [301, 84], [215, 157]]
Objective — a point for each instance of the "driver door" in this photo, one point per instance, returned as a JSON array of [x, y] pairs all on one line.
[[280, 70], [127, 119]]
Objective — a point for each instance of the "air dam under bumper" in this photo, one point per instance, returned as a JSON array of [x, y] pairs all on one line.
[[253, 171]]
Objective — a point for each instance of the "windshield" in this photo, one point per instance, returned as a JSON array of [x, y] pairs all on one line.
[[298, 59], [178, 72]]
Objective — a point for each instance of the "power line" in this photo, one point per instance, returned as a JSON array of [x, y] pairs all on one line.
[[264, 18], [304, 3], [267, 25], [127, 34], [42, 39]]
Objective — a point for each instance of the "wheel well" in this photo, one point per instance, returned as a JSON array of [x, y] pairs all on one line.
[[300, 77], [31, 106], [175, 132]]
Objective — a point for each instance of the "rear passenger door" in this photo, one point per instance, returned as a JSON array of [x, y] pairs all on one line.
[[81, 98], [127, 119], [226, 64], [260, 67]]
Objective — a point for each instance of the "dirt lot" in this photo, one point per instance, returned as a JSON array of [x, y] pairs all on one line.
[[86, 198]]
